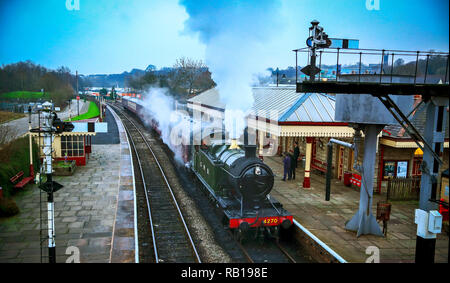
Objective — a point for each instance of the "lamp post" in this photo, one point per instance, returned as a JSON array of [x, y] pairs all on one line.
[[282, 76], [31, 143]]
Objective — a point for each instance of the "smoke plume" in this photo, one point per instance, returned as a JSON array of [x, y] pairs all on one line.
[[234, 33], [160, 112]]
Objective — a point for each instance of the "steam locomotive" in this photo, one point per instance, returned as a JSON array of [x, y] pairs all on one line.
[[232, 175]]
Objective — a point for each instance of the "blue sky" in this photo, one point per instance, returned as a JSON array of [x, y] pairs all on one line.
[[107, 36]]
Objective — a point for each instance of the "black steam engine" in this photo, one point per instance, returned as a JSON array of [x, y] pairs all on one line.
[[238, 181]]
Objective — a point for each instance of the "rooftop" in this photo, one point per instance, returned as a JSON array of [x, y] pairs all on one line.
[[282, 104]]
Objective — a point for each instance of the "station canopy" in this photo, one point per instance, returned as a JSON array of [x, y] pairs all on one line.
[[298, 114]]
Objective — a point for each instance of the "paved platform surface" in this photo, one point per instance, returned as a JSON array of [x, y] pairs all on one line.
[[112, 136], [84, 213], [94, 212], [326, 219], [124, 244]]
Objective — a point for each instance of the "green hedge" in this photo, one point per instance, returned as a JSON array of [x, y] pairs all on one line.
[[15, 157]]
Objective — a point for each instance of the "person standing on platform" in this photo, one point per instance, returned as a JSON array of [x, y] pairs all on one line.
[[293, 165], [294, 159], [286, 165]]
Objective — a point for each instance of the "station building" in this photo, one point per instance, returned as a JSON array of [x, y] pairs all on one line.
[[399, 155], [304, 117], [75, 145], [309, 119]]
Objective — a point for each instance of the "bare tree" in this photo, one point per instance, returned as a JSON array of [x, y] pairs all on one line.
[[190, 76]]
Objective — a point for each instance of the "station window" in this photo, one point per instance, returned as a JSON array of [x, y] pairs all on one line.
[[72, 145]]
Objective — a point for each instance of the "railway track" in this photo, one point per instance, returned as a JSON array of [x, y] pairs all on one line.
[[273, 252], [171, 239]]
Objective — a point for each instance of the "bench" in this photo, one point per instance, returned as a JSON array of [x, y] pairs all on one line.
[[22, 183], [318, 168]]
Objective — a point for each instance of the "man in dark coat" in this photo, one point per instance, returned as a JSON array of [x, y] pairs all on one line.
[[294, 159], [286, 165]]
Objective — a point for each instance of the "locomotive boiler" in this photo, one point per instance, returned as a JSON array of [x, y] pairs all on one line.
[[241, 184]]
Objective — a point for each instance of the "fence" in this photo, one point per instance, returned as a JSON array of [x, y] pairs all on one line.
[[383, 66], [403, 188]]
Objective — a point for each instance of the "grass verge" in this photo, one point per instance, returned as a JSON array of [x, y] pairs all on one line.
[[6, 116], [92, 112], [31, 95]]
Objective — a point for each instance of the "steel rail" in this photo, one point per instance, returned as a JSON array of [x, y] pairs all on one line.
[[146, 196], [285, 252], [168, 186], [145, 188]]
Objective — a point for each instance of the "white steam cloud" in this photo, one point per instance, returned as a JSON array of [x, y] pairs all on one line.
[[160, 114], [234, 33]]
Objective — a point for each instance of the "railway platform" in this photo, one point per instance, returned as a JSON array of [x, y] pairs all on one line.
[[326, 219], [94, 212]]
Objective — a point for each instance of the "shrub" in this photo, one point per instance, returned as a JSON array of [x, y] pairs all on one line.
[[8, 207], [14, 157]]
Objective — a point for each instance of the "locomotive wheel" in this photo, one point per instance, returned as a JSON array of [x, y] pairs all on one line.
[[238, 235]]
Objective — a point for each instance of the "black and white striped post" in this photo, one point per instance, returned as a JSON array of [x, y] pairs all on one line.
[[47, 129], [51, 125]]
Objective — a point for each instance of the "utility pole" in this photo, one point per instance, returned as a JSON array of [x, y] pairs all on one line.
[[30, 142], [277, 76], [78, 99]]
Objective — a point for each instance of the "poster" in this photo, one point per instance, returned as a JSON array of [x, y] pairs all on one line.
[[402, 169], [389, 169]]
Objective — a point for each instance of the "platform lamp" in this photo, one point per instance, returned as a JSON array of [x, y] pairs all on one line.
[[282, 76]]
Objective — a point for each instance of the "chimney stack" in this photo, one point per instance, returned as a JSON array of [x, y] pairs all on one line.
[[250, 150]]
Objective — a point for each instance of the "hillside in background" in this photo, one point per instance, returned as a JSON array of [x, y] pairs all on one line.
[[123, 79]]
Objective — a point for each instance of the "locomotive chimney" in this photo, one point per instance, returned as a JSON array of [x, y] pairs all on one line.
[[250, 150]]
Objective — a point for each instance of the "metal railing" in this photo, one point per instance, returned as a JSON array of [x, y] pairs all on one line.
[[385, 70]]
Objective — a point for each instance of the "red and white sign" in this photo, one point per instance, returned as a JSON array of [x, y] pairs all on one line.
[[78, 98], [355, 180]]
